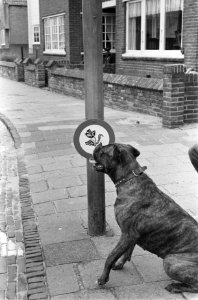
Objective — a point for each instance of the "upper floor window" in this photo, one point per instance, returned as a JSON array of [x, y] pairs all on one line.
[[54, 34], [108, 31], [154, 25], [3, 37], [36, 34]]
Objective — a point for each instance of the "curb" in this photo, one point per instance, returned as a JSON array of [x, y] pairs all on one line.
[[35, 269]]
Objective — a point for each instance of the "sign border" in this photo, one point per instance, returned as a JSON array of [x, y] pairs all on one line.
[[88, 123]]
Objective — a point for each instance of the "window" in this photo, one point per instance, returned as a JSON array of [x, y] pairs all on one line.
[[108, 31], [54, 34], [2, 36], [173, 20], [154, 27], [36, 35]]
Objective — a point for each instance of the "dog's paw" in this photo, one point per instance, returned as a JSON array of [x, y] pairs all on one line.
[[118, 266], [102, 280], [174, 288]]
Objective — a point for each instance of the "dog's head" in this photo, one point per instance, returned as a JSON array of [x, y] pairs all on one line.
[[115, 158]]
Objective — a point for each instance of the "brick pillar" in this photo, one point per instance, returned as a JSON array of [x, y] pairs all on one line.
[[19, 72], [190, 34], [173, 96], [50, 67], [40, 75], [191, 98]]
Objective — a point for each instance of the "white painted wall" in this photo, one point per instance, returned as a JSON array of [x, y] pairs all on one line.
[[33, 19]]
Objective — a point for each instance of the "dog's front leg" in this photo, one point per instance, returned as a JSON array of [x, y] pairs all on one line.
[[123, 245], [124, 258]]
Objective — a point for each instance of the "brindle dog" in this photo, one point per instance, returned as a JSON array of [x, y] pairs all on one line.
[[149, 218]]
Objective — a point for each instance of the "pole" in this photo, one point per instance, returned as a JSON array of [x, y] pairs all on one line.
[[94, 107]]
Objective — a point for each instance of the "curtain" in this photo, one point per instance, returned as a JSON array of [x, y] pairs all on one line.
[[132, 34], [174, 5], [134, 9], [153, 7]]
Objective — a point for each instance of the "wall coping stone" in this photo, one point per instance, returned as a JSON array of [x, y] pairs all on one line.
[[76, 73], [124, 80], [27, 61], [30, 68], [174, 69], [7, 64]]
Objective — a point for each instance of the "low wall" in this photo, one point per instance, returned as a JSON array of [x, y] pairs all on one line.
[[12, 70], [34, 75], [120, 91], [174, 98]]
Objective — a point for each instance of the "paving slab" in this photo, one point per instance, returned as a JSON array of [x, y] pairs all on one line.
[[66, 283], [105, 244], [152, 291], [70, 204], [68, 181], [50, 195], [44, 209], [91, 271], [70, 252], [102, 294], [150, 267], [61, 227]]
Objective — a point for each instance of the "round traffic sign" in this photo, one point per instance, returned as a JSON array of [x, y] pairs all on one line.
[[90, 133]]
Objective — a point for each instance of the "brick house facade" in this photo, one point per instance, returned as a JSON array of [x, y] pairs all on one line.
[[13, 29], [67, 44], [133, 63]]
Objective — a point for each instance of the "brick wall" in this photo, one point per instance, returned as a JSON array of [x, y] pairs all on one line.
[[12, 70], [13, 51], [18, 33], [190, 39], [7, 70], [191, 98], [133, 93], [120, 91], [76, 34], [73, 28], [173, 96], [180, 103], [34, 75], [49, 8]]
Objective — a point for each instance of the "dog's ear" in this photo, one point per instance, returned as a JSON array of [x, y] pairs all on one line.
[[134, 151]]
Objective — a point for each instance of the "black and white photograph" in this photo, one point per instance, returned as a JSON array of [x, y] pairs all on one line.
[[99, 150]]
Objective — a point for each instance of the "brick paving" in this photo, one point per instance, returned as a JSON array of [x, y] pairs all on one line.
[[12, 262], [60, 260]]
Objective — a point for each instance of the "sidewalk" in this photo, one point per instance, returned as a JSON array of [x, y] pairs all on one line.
[[62, 261]]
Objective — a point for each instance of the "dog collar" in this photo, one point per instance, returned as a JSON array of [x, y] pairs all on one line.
[[134, 173]]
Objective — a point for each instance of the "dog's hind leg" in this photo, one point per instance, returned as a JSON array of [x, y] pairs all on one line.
[[124, 258], [182, 267], [123, 245]]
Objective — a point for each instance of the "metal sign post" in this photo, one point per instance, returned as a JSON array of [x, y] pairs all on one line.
[[94, 108]]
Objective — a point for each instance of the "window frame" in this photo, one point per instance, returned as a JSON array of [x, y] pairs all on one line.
[[53, 51], [3, 37], [36, 26], [161, 53], [112, 32]]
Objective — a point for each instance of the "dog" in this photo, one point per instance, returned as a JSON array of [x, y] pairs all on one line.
[[149, 218]]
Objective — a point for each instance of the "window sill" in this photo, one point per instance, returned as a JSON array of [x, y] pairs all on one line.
[[154, 55], [54, 52]]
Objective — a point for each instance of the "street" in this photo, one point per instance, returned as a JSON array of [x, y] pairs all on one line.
[[43, 178]]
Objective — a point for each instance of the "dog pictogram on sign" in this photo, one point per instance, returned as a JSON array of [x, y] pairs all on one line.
[[89, 134]]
